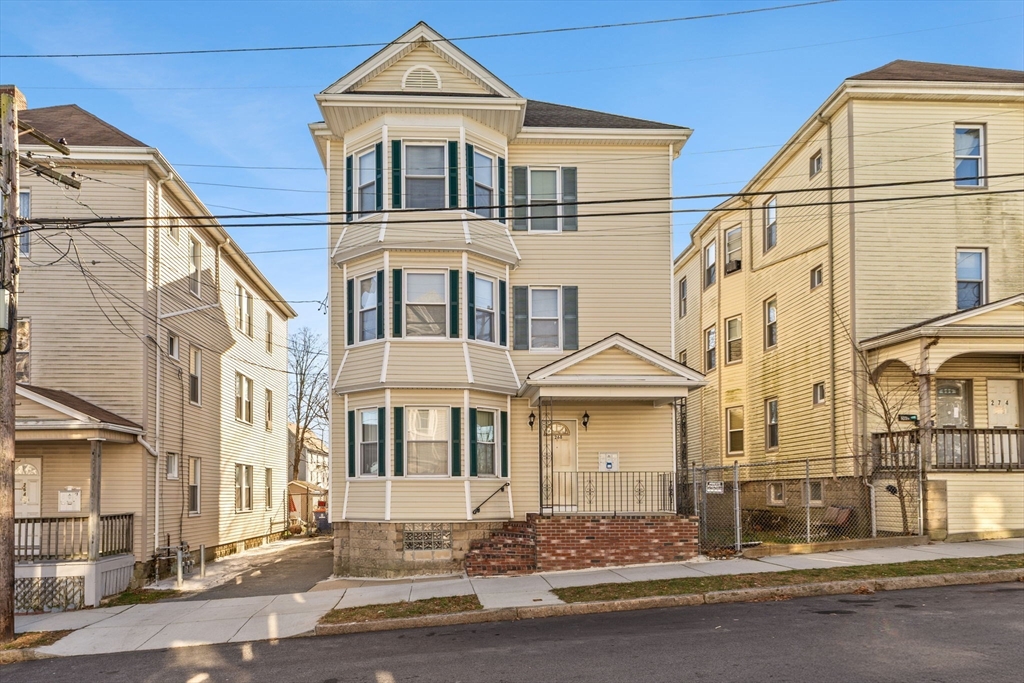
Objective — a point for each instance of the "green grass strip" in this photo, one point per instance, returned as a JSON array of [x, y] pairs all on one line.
[[140, 597], [642, 589], [399, 610]]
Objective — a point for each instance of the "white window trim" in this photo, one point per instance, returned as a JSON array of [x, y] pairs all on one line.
[[357, 208], [558, 199], [770, 499], [984, 273], [495, 323], [982, 158], [820, 269], [738, 253], [815, 502], [198, 483], [771, 205], [729, 430], [268, 409], [816, 157], [198, 374], [177, 466], [247, 389], [767, 322], [710, 267], [447, 303], [443, 144], [557, 318], [246, 486], [767, 424], [268, 487], [269, 341], [24, 238], [192, 244], [728, 340], [682, 297], [359, 441], [496, 443], [174, 346], [708, 333], [464, 419], [493, 157], [814, 394], [358, 293]]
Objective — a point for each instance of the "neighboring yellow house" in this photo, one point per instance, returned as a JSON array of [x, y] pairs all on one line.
[[813, 310], [496, 351], [152, 372]]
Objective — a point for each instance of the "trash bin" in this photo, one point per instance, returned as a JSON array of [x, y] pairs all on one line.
[[321, 521]]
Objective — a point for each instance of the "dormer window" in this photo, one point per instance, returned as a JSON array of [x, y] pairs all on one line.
[[421, 77]]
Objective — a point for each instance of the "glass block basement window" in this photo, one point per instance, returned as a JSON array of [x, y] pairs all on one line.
[[427, 536]]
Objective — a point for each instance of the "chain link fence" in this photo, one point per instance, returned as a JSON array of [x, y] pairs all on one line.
[[806, 501]]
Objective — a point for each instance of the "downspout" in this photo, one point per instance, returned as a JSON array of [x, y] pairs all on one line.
[[831, 304], [159, 364]]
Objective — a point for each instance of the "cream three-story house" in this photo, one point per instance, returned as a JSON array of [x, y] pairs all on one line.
[[499, 348], [814, 312]]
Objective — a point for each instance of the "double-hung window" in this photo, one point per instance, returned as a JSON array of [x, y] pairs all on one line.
[[173, 345], [970, 278], [969, 156], [23, 350], [366, 182], [268, 487], [427, 435], [734, 429], [483, 184], [243, 488], [483, 306], [368, 442], [771, 323], [368, 308], [172, 465], [243, 398], [195, 376], [270, 332], [544, 319], [426, 305], [243, 310], [485, 440], [771, 224], [734, 340], [771, 424], [710, 344], [425, 171], [195, 472], [816, 164], [682, 298], [544, 200], [817, 276], [195, 265], [819, 393], [25, 210], [710, 259], [733, 250], [268, 409]]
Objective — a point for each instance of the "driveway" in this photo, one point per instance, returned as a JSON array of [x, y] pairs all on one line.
[[294, 570]]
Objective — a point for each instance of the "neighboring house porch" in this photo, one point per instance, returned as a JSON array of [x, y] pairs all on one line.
[[957, 384], [76, 499]]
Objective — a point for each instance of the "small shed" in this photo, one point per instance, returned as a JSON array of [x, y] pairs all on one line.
[[305, 498]]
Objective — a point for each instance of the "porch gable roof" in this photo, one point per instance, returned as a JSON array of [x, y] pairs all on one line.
[[999, 318], [77, 412]]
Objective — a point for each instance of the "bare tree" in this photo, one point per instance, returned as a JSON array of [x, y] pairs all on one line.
[[308, 398]]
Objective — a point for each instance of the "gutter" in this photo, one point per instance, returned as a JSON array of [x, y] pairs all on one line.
[[159, 361]]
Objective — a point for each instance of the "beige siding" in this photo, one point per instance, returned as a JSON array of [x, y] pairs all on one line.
[[981, 502], [614, 361], [453, 79], [491, 367]]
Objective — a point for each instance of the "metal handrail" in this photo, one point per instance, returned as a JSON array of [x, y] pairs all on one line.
[[501, 488]]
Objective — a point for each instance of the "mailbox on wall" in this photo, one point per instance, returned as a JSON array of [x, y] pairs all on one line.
[[608, 462], [69, 499]]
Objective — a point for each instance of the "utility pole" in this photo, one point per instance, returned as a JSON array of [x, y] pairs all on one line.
[[9, 267], [8, 368]]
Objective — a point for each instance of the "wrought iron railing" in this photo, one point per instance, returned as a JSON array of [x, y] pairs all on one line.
[[67, 538], [612, 492], [960, 449]]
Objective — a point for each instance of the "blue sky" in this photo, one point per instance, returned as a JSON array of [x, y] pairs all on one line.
[[744, 84]]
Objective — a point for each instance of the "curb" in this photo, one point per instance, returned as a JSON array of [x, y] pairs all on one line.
[[654, 602], [27, 654]]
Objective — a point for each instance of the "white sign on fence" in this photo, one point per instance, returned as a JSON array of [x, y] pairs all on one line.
[[714, 487]]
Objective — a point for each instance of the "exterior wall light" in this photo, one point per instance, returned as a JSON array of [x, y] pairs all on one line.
[[532, 419], [586, 419]]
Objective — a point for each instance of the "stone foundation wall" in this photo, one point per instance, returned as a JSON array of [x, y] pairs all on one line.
[[378, 549], [582, 542]]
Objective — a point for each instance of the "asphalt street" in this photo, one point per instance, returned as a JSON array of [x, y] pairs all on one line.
[[962, 633]]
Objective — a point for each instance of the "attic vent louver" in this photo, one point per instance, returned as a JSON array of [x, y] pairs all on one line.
[[421, 77]]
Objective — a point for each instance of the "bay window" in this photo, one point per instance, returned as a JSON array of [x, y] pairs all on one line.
[[426, 305], [368, 442], [483, 184], [484, 451], [366, 182], [427, 436], [483, 306], [425, 171], [368, 308]]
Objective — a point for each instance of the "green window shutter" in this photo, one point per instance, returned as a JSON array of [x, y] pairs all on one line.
[[472, 442], [456, 442], [504, 443], [453, 174], [350, 312], [396, 305], [470, 190], [453, 303], [349, 179], [396, 174], [399, 467], [520, 175], [351, 444], [501, 189], [521, 318], [570, 221], [570, 319], [502, 314], [382, 422], [378, 158], [470, 305], [380, 304]]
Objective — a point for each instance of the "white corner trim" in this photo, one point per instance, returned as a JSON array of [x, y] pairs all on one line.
[[337, 245], [387, 501], [465, 230], [469, 366], [513, 243], [469, 501], [384, 363], [344, 505], [513, 366], [383, 227], [337, 375], [508, 489]]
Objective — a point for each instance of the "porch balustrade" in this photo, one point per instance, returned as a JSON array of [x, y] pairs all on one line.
[[612, 492], [959, 449], [67, 538]]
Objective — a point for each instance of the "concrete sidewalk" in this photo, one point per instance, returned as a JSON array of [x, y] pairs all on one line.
[[185, 623]]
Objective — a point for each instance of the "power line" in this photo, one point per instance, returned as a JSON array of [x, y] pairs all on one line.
[[486, 36]]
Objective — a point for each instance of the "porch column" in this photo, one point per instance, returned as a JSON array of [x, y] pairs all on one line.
[[96, 466], [924, 417]]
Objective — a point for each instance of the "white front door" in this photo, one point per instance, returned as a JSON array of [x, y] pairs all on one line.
[[1003, 403], [28, 481], [563, 461]]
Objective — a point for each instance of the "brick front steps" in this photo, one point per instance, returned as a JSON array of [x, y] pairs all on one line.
[[582, 542]]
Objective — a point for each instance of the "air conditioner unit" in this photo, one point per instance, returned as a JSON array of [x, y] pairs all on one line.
[[733, 266]]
